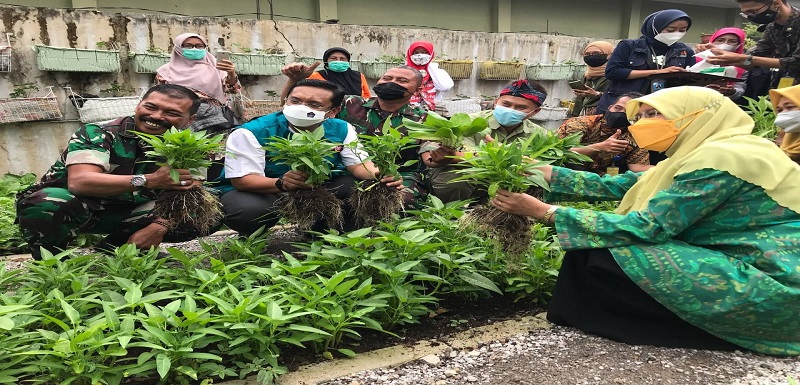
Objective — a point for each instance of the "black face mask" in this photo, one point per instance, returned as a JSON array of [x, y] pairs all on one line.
[[766, 17], [617, 120], [390, 91], [595, 60]]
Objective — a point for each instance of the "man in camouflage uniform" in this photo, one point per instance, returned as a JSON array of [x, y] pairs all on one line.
[[105, 184], [394, 89]]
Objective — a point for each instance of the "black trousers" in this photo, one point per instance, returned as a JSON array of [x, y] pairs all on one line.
[[246, 212], [594, 294]]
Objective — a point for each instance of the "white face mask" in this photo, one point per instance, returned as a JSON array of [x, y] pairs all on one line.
[[728, 47], [420, 59], [300, 115], [669, 38], [789, 121]]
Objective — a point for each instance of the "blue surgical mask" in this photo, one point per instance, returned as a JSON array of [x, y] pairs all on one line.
[[339, 66], [508, 117], [193, 53]]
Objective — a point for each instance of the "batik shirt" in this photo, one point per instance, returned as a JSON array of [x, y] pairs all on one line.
[[715, 250], [782, 41], [594, 130], [113, 148]]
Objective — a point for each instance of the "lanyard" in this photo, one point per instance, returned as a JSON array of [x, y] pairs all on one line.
[[655, 58]]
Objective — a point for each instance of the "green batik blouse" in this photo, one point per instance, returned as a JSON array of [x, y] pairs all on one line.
[[714, 249]]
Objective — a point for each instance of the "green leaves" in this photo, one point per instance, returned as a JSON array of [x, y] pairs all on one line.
[[305, 151], [384, 149], [764, 117], [515, 166], [450, 133], [182, 149]]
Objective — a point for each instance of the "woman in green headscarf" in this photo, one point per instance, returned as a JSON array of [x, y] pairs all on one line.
[[704, 249]]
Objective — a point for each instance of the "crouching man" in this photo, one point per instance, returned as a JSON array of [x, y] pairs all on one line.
[[105, 184], [252, 181]]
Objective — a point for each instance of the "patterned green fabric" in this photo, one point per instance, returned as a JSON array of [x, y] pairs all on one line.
[[712, 248]]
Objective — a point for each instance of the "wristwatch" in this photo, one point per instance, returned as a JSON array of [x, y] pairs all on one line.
[[279, 184], [138, 180], [748, 61]]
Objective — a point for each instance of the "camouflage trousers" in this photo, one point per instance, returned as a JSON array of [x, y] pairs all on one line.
[[53, 217]]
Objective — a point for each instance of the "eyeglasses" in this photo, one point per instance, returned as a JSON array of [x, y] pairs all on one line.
[[753, 12], [197, 46], [292, 101], [649, 114]]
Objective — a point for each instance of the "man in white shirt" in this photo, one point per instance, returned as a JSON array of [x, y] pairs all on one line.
[[251, 181]]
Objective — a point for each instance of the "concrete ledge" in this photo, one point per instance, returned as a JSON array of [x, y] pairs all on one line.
[[400, 354]]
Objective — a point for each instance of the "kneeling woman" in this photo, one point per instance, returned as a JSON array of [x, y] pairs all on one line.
[[704, 250]]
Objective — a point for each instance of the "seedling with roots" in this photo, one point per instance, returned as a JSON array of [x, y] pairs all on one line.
[[184, 149], [308, 152], [373, 201]]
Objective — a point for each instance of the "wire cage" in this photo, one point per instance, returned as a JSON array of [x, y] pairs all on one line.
[[457, 69], [76, 60], [466, 106], [5, 58], [492, 70], [258, 64], [93, 110], [547, 113], [13, 110], [148, 63], [549, 71], [250, 109]]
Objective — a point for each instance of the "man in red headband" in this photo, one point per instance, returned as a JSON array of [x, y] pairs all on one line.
[[509, 120]]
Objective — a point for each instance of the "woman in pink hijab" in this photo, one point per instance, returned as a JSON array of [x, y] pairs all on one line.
[[434, 79], [192, 66], [732, 40]]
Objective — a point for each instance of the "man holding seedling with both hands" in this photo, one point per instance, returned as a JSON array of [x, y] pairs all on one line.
[[509, 120], [368, 115], [252, 182], [105, 184]]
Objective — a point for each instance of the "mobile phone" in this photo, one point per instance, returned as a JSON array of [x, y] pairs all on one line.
[[577, 85], [223, 55]]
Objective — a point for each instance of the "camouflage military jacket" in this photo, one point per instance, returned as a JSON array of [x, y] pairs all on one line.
[[783, 42], [368, 118], [113, 148]]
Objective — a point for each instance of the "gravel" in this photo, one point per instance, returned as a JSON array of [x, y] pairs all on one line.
[[561, 355]]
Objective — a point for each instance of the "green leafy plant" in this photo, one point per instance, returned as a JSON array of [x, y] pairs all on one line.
[[10, 238], [513, 167], [449, 133], [305, 151], [378, 202], [763, 116], [23, 90], [184, 149], [116, 90], [310, 153]]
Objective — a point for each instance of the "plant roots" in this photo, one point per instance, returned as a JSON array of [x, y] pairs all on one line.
[[196, 207], [512, 232], [375, 204], [306, 207]]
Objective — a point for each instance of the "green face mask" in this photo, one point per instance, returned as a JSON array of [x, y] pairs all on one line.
[[338, 66], [193, 53]]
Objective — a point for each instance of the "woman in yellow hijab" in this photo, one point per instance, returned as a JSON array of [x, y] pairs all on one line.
[[786, 102], [704, 250]]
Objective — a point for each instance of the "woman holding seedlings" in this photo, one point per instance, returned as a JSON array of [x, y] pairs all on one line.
[[434, 79], [704, 249]]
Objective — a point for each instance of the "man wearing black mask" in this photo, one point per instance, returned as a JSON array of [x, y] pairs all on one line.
[[606, 137], [779, 46], [394, 90]]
